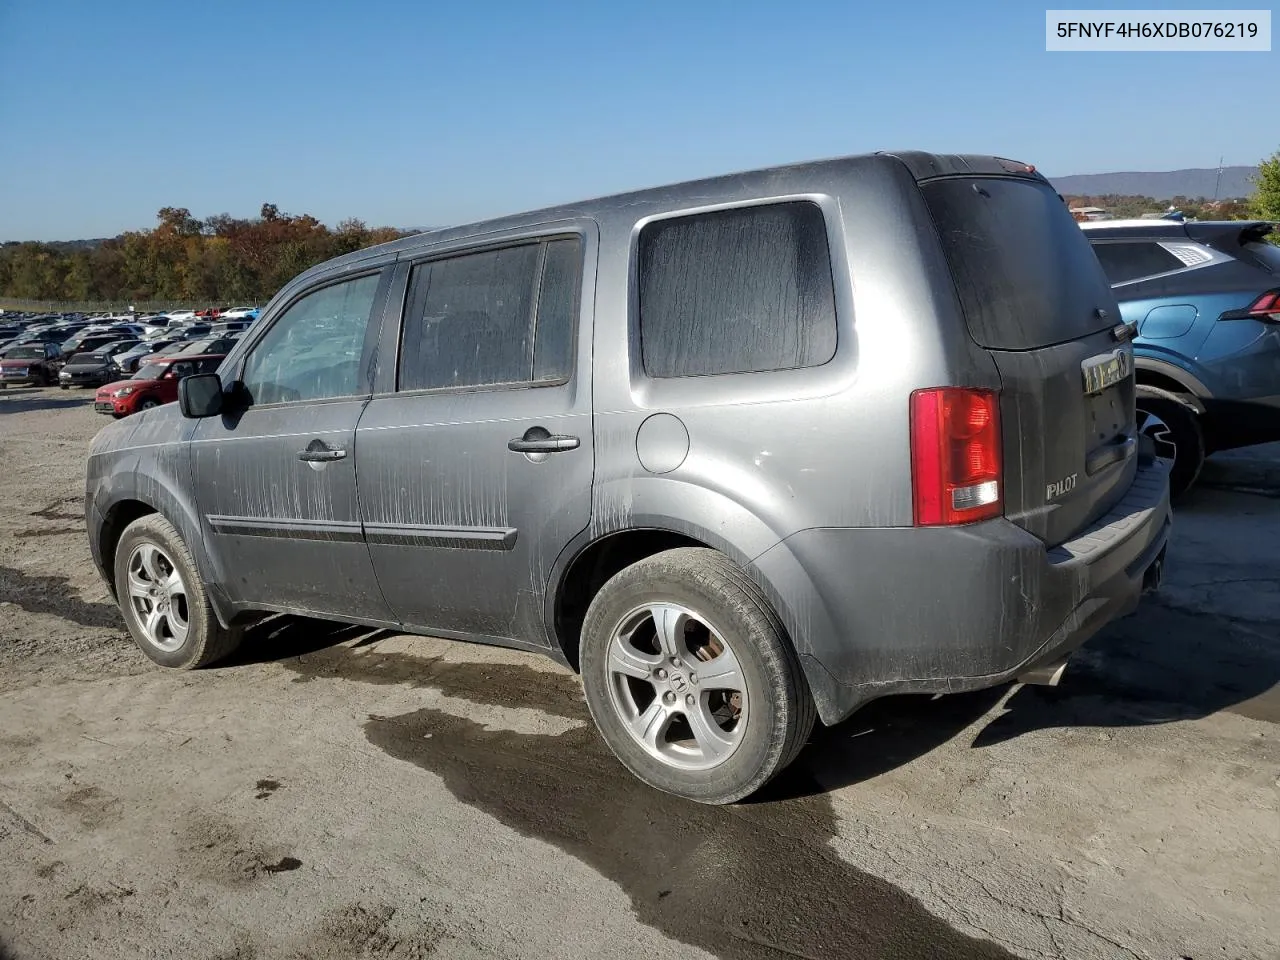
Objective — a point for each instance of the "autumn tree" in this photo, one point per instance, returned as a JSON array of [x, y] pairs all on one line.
[[219, 259]]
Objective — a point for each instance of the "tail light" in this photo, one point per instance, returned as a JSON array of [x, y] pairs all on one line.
[[1266, 308], [956, 473]]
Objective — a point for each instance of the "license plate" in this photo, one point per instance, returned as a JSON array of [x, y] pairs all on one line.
[[1105, 371], [104, 408]]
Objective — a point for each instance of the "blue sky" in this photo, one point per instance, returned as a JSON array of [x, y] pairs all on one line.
[[426, 113]]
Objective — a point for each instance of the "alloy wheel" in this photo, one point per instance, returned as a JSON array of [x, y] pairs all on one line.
[[1150, 425], [677, 686], [158, 597]]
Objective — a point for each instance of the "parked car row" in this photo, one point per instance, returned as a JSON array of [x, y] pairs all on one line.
[[72, 329], [136, 368]]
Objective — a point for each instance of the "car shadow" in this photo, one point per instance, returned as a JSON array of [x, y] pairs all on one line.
[[30, 400], [284, 637], [883, 735], [1161, 665]]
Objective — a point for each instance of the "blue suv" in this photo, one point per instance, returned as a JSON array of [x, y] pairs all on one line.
[[1205, 299]]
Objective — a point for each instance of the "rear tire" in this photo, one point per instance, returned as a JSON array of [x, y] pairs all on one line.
[[1175, 427], [163, 599], [712, 703]]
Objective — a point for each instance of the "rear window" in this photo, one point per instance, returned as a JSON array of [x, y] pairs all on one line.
[[1023, 269]]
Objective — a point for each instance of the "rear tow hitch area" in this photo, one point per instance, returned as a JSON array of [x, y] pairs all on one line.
[[1045, 675]]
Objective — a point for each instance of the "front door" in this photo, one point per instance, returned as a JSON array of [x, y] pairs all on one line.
[[476, 472], [275, 477]]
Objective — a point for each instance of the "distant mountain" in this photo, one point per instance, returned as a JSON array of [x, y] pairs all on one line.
[[1160, 186]]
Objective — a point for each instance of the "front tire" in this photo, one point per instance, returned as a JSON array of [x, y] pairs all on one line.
[[1174, 426], [691, 679], [163, 599]]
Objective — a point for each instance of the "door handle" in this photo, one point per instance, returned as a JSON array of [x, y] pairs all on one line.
[[550, 444], [322, 455]]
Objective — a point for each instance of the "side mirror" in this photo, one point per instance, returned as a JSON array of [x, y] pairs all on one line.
[[200, 395]]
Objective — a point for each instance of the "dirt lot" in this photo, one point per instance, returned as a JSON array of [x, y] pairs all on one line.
[[338, 793]]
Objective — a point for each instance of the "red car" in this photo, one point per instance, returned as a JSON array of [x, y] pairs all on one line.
[[156, 382]]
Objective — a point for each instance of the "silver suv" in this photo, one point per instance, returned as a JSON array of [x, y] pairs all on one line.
[[743, 451]]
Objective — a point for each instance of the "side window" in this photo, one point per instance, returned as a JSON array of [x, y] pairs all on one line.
[[736, 291], [499, 316], [1129, 261], [313, 350], [557, 310]]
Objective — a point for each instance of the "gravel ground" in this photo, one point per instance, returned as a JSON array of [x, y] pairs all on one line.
[[338, 793]]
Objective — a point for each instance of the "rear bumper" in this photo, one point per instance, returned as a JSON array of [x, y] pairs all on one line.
[[943, 610]]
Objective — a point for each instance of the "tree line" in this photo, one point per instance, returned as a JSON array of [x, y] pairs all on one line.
[[1125, 207], [222, 259]]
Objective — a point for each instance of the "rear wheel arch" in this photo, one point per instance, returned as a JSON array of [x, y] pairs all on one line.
[[592, 566], [1171, 379]]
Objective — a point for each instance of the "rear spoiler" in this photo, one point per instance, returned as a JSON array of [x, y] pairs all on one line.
[[1229, 235], [932, 166]]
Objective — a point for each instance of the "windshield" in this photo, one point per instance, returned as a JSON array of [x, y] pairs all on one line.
[[24, 353], [150, 371]]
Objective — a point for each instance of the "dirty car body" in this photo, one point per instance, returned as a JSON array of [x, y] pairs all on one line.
[[875, 415]]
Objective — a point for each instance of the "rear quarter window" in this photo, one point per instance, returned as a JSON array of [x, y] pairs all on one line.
[[1125, 261], [1024, 272], [736, 291]]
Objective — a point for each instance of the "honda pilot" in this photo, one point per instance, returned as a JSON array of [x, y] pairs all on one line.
[[744, 452]]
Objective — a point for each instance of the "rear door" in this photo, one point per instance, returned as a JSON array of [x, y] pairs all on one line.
[[1035, 297], [475, 465]]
